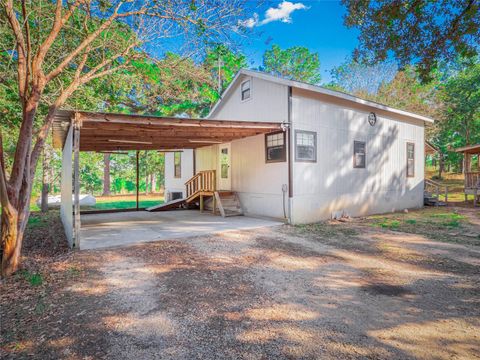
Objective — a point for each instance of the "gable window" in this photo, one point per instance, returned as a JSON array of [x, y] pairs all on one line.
[[410, 159], [305, 146], [359, 154], [177, 164], [245, 88], [275, 148]]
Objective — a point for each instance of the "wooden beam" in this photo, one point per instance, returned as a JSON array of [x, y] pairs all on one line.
[[88, 118]]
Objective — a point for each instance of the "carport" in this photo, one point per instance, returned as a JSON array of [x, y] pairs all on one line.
[[75, 131]]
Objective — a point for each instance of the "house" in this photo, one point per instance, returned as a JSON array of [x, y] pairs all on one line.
[[333, 154]]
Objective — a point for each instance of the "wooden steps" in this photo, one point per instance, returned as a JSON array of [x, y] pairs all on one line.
[[228, 203]]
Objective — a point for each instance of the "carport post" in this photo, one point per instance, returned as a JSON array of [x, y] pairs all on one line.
[[76, 181], [137, 180]]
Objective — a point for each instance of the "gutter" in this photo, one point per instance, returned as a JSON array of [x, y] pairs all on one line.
[[290, 151]]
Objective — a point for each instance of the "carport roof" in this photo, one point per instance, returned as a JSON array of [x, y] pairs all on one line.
[[117, 132]]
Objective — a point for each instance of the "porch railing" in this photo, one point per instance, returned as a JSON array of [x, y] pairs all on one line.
[[436, 189], [472, 180], [202, 181]]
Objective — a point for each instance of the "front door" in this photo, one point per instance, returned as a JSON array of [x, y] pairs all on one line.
[[224, 170]]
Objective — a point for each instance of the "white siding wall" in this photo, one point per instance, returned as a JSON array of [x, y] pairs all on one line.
[[258, 184], [207, 158], [268, 102], [332, 184], [173, 184]]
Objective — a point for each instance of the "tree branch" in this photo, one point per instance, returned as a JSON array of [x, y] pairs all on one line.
[[57, 26], [20, 40]]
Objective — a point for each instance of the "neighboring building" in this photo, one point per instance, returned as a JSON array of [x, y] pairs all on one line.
[[338, 154]]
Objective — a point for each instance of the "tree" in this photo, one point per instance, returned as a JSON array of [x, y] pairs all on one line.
[[295, 63], [223, 64], [459, 123], [87, 40], [461, 96], [420, 32], [360, 79], [106, 174]]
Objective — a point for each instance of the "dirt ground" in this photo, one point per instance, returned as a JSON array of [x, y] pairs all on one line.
[[366, 288]]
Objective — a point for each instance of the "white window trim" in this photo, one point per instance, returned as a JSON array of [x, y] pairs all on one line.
[[251, 87], [314, 133]]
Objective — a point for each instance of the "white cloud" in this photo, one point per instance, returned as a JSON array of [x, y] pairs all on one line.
[[251, 22], [281, 13]]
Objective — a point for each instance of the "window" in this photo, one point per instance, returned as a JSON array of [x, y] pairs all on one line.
[[410, 159], [359, 154], [275, 147], [245, 87], [224, 163], [177, 163], [305, 146]]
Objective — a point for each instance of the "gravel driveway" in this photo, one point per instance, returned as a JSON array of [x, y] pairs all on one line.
[[273, 293]]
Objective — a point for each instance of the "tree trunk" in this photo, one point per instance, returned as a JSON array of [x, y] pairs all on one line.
[[106, 174], [147, 182], [441, 164], [154, 183], [45, 179], [9, 240]]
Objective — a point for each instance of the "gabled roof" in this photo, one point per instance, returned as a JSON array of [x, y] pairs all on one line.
[[316, 89], [469, 149]]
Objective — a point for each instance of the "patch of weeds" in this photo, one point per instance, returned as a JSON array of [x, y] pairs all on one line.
[[389, 224], [452, 223], [73, 271], [40, 307], [325, 229], [34, 279], [449, 216], [36, 221], [411, 221]]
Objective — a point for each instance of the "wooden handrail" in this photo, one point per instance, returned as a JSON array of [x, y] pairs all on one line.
[[472, 180], [202, 181], [437, 187]]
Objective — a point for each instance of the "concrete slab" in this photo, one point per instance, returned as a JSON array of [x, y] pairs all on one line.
[[127, 228]]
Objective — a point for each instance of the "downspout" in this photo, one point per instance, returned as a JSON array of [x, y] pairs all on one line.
[[290, 151]]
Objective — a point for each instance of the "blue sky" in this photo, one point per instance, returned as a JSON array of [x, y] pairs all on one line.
[[315, 24]]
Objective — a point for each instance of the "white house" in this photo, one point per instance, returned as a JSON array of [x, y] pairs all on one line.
[[336, 154]]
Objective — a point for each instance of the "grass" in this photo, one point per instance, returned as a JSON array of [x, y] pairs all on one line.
[[33, 278], [443, 224], [114, 202], [438, 224], [126, 201], [455, 183]]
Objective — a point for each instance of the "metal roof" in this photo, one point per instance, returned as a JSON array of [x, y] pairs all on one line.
[[316, 89], [112, 132]]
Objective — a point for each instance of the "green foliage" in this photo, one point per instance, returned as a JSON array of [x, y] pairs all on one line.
[[421, 32], [34, 279], [222, 61], [389, 224], [360, 79], [461, 96], [295, 63]]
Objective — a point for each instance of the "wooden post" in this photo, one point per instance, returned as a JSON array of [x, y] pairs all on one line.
[[76, 181], [213, 203], [138, 179], [201, 203]]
